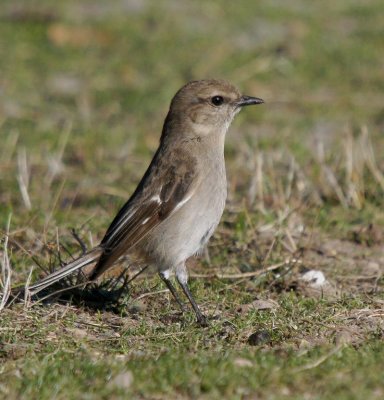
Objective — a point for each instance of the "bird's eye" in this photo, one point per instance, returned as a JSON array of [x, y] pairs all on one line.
[[217, 100]]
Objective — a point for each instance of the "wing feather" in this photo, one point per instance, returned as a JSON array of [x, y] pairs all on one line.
[[163, 192]]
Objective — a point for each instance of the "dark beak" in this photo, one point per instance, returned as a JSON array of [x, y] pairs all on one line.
[[248, 101]]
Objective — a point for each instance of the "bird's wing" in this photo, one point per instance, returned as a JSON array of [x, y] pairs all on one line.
[[164, 189]]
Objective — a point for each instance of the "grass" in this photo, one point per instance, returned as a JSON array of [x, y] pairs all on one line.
[[83, 93]]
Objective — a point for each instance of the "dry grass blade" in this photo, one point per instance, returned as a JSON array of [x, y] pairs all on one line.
[[6, 271], [27, 293], [55, 161], [256, 187], [9, 146], [353, 173], [290, 179], [320, 360], [334, 184], [370, 158], [23, 177]]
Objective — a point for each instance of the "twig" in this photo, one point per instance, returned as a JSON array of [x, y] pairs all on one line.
[[142, 296], [136, 275], [241, 275], [269, 252]]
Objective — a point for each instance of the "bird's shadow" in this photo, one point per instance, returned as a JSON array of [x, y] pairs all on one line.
[[109, 295]]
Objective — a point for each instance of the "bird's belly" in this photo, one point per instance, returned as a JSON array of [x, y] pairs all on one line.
[[188, 230]]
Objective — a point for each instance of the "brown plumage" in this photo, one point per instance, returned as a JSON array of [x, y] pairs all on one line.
[[181, 197]]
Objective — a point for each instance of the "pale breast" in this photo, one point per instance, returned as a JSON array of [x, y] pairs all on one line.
[[185, 232]]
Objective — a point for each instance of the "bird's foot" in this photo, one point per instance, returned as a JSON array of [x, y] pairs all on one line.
[[202, 320]]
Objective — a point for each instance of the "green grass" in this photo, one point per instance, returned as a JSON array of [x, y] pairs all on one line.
[[83, 93], [199, 375], [181, 360]]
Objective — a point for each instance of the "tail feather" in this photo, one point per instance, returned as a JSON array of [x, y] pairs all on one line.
[[71, 267]]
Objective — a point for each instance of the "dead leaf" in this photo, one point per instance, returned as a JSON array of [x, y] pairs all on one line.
[[268, 304]]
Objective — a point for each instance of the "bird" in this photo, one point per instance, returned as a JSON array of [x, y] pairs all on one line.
[[179, 202]]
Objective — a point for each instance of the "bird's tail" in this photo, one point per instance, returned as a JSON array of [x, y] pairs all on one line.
[[73, 266]]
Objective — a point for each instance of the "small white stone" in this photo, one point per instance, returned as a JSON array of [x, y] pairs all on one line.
[[314, 278]]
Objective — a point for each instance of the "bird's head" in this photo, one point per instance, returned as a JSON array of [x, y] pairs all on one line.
[[207, 106]]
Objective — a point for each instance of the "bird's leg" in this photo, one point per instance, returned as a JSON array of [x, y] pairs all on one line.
[[201, 319], [172, 289]]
